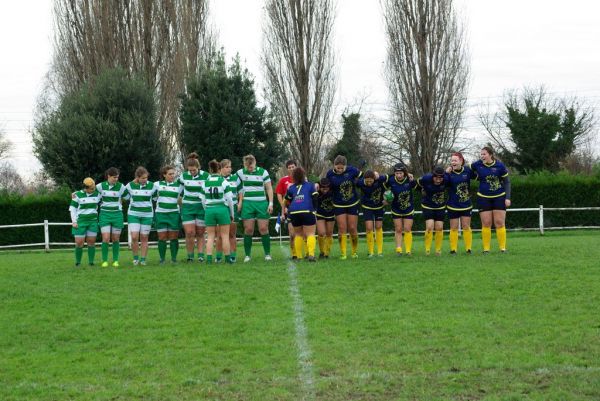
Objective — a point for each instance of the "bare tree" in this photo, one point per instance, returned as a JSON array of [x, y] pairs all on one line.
[[5, 145], [298, 63], [427, 72], [162, 41]]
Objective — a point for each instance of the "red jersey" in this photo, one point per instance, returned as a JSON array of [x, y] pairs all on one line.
[[283, 185]]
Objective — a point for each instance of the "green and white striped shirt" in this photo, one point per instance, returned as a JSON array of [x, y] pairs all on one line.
[[84, 206], [191, 186], [111, 196], [252, 184], [168, 193], [216, 191], [232, 181], [140, 204]]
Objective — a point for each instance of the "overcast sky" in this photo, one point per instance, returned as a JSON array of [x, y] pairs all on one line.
[[513, 43]]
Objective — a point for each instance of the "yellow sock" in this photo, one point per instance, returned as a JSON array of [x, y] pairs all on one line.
[[328, 244], [398, 249], [379, 240], [486, 238], [408, 241], [428, 239], [322, 245], [468, 237], [298, 242], [305, 247], [293, 247], [453, 239], [311, 244], [501, 236], [354, 241], [342, 240], [370, 244], [439, 241]]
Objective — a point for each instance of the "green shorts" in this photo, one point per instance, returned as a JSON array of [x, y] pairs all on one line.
[[255, 210], [170, 221], [85, 229], [192, 213], [143, 221], [217, 216], [113, 219]]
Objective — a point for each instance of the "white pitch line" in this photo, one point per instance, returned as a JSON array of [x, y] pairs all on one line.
[[304, 353]]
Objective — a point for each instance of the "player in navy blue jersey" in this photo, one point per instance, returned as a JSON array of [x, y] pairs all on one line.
[[373, 189], [493, 197], [433, 203], [401, 185], [345, 201], [459, 203], [300, 202], [325, 217]]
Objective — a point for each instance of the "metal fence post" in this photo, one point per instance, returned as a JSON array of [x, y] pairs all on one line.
[[541, 219], [46, 236]]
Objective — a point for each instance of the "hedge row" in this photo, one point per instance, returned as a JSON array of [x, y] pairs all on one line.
[[528, 191]]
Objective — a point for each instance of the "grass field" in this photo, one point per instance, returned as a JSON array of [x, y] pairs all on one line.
[[519, 326]]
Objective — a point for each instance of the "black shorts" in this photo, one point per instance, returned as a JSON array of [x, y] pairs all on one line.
[[353, 210], [455, 214], [487, 204], [370, 214], [405, 214], [303, 219], [326, 216], [435, 215]]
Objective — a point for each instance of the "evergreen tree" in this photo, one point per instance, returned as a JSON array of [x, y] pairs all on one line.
[[349, 144], [220, 117], [110, 121]]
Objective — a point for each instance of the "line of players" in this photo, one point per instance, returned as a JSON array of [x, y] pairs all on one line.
[[213, 202], [336, 199]]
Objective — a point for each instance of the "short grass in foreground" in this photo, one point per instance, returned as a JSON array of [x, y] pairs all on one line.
[[520, 326]]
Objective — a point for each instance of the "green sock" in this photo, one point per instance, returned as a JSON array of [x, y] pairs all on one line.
[[190, 255], [232, 256], [219, 255], [136, 257], [266, 243], [142, 260], [200, 255], [227, 258], [162, 249], [248, 244], [78, 254], [91, 253], [209, 259], [174, 247], [105, 251], [116, 248]]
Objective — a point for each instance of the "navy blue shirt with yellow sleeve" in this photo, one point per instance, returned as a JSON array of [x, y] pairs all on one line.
[[343, 186], [372, 196], [300, 198], [490, 177], [402, 202], [434, 197], [458, 183]]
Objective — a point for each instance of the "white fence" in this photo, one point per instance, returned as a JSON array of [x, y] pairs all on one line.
[[540, 210]]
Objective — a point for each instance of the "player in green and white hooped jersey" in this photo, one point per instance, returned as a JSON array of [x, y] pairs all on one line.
[[192, 211], [218, 203], [255, 202], [232, 180], [111, 214], [140, 213], [167, 219], [84, 218]]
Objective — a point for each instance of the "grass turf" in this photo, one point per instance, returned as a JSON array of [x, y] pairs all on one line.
[[519, 326]]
